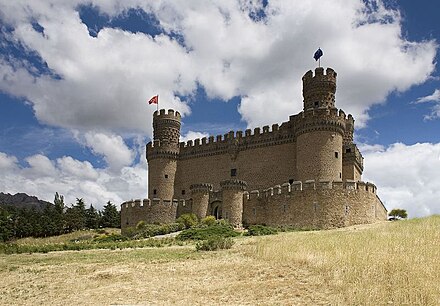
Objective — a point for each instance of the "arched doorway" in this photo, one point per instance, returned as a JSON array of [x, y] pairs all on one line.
[[216, 210]]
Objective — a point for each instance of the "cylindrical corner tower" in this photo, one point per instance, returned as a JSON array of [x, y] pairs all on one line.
[[162, 154], [232, 193], [200, 198], [320, 129]]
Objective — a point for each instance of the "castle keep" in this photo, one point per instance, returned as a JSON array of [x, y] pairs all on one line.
[[304, 173]]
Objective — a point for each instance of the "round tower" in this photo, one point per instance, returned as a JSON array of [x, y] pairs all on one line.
[[162, 154], [200, 198], [320, 129], [232, 199], [319, 90]]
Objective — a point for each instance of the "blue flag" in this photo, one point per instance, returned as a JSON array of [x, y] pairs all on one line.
[[318, 54]]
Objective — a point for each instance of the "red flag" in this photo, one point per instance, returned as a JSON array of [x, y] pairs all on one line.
[[154, 100]]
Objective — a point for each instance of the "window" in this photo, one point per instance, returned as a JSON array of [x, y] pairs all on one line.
[[336, 154], [291, 181], [183, 191], [316, 104], [154, 191], [340, 175], [166, 175], [233, 172], [348, 150]]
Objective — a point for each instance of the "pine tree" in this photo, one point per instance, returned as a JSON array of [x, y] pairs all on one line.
[[92, 218], [110, 216]]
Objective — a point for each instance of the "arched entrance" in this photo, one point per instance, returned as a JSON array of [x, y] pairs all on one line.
[[216, 209]]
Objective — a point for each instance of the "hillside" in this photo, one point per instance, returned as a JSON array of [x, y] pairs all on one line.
[[386, 263], [22, 200]]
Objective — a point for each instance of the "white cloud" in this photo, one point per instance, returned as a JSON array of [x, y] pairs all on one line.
[[112, 147], [191, 135], [407, 176], [7, 162], [72, 178], [434, 98], [107, 79]]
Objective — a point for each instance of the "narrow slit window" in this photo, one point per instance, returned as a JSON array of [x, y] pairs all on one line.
[[154, 191], [336, 154], [233, 172]]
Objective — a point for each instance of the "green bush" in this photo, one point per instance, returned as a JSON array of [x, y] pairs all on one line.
[[214, 243], [208, 221], [188, 220], [204, 233], [261, 230]]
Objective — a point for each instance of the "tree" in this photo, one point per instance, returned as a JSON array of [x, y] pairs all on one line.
[[92, 218], [397, 214], [110, 216], [58, 214], [76, 216]]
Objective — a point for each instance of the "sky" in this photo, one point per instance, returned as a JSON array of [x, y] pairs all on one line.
[[76, 76]]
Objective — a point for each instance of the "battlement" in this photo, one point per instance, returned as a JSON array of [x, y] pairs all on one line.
[[257, 137], [201, 187], [319, 89], [298, 186], [329, 119], [233, 184], [170, 114], [329, 76], [147, 203]]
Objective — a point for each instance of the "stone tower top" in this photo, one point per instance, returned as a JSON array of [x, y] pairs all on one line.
[[319, 90], [166, 127]]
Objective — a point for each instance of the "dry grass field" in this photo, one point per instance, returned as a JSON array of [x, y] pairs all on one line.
[[394, 263]]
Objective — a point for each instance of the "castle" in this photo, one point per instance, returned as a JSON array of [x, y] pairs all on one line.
[[304, 173]]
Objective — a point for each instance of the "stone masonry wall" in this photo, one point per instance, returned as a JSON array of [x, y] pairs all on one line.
[[314, 205], [150, 211]]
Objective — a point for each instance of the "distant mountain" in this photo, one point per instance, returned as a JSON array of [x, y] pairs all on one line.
[[22, 200]]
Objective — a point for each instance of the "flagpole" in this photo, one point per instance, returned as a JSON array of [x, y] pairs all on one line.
[[157, 103]]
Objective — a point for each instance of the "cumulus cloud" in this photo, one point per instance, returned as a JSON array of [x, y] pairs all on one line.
[[191, 135], [111, 147], [231, 48], [407, 176], [72, 178], [433, 98]]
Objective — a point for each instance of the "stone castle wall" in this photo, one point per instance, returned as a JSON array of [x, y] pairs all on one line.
[[314, 205], [150, 211]]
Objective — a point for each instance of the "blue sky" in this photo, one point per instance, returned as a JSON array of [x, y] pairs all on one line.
[[77, 75]]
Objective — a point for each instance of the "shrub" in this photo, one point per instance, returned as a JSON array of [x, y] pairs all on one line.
[[208, 221], [188, 220], [261, 230], [214, 243], [204, 233]]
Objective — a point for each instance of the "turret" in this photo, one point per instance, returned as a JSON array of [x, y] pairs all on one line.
[[319, 90], [200, 197], [233, 191], [320, 129], [162, 154]]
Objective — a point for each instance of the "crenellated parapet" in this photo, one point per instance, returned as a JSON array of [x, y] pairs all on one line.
[[320, 119], [148, 210], [298, 187], [319, 89], [156, 149], [166, 126], [236, 141], [201, 187], [233, 185]]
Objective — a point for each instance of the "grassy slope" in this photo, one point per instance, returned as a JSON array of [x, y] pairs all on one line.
[[394, 262]]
